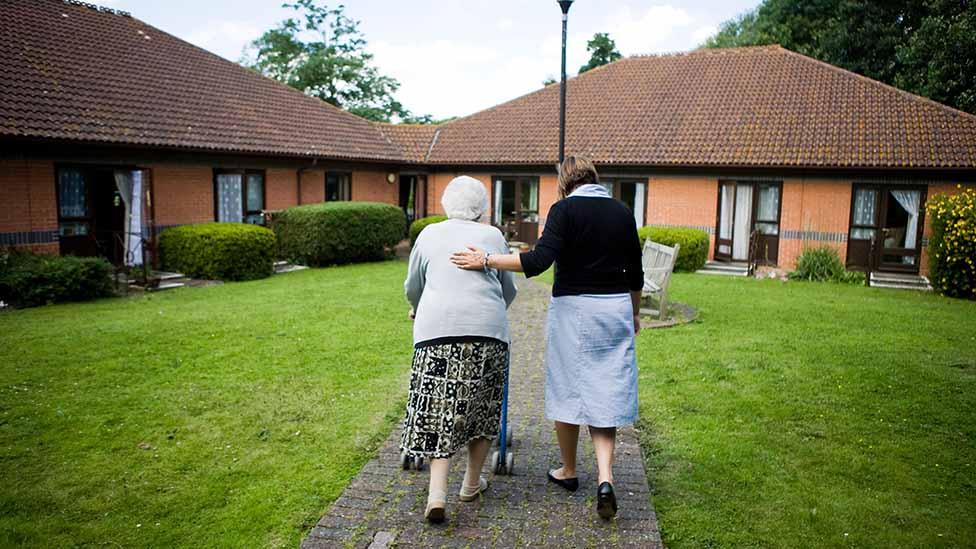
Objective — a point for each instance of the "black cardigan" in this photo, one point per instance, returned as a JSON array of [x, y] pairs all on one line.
[[594, 244]]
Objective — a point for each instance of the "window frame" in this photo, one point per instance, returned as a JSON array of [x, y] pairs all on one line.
[[244, 173], [618, 182], [348, 176]]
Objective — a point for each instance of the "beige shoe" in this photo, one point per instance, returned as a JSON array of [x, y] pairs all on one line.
[[471, 494], [436, 508]]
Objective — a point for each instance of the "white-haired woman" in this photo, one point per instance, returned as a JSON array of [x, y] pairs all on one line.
[[461, 343]]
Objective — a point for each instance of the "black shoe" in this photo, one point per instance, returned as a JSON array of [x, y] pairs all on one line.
[[571, 484], [606, 501]]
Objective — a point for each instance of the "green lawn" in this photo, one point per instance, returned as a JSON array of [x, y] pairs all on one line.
[[811, 415], [224, 416]]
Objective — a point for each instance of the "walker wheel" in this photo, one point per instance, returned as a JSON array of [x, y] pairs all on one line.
[[408, 462], [496, 467], [404, 461], [509, 463], [418, 463]]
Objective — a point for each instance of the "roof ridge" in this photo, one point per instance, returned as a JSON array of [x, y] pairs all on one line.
[[872, 81], [710, 51]]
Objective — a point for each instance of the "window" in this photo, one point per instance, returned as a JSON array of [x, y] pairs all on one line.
[[338, 186], [73, 203], [632, 193], [864, 222], [239, 196]]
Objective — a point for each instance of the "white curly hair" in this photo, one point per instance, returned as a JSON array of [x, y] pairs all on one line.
[[465, 198]]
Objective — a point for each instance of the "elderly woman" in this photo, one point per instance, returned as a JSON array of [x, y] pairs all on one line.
[[461, 342], [591, 369]]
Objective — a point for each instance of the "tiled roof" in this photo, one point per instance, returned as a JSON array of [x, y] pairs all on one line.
[[413, 140], [749, 107], [68, 71]]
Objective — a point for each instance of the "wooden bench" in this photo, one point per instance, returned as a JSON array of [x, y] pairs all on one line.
[[658, 262]]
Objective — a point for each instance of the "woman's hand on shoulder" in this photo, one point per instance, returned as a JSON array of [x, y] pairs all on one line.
[[412, 314], [472, 259]]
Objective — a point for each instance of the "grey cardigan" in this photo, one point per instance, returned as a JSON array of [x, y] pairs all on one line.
[[450, 302]]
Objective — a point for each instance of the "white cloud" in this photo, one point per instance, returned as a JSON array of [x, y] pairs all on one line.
[[505, 24], [225, 38], [703, 33], [646, 31]]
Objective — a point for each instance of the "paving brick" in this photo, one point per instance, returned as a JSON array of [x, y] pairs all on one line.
[[521, 510]]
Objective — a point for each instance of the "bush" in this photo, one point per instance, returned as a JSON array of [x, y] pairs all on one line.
[[952, 247], [28, 280], [338, 232], [218, 251], [823, 264], [694, 245], [421, 223]]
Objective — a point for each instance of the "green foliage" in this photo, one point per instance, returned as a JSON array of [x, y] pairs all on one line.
[[419, 225], [29, 280], [823, 264], [924, 47], [952, 246], [338, 232], [333, 65], [219, 251], [603, 50], [694, 245]]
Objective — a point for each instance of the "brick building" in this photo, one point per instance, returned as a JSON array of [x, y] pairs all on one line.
[[110, 127]]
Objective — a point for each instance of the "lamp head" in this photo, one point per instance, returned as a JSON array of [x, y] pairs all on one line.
[[564, 5]]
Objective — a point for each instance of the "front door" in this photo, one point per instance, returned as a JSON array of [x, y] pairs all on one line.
[[413, 196], [745, 208], [886, 228], [516, 208]]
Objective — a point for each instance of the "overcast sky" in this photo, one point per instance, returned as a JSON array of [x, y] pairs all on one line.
[[455, 57]]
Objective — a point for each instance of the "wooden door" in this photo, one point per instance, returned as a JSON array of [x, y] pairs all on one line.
[[766, 224]]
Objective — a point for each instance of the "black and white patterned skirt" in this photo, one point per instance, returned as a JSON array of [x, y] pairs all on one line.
[[455, 395]]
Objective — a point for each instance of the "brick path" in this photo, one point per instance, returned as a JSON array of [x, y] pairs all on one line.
[[384, 505]]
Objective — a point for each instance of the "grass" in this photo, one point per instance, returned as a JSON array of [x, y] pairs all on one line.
[[224, 416], [811, 415]]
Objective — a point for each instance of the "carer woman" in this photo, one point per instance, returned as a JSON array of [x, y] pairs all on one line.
[[460, 345], [591, 368]]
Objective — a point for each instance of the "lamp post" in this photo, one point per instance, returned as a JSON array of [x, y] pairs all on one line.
[[564, 5]]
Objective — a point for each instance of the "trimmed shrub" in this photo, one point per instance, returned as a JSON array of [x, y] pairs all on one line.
[[334, 233], [952, 246], [28, 280], [219, 251], [694, 245], [823, 264], [421, 223]]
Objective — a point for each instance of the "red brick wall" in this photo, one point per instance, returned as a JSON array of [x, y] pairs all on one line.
[[280, 188], [27, 193], [313, 186], [182, 194], [437, 182], [372, 186], [684, 201], [814, 206]]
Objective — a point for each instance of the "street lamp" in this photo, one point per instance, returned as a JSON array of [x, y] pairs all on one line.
[[563, 5]]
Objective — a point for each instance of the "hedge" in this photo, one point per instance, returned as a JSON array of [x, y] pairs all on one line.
[[694, 245], [28, 280], [219, 251], [334, 233], [421, 223], [952, 246]]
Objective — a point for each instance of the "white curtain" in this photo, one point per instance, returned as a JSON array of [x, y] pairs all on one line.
[[229, 205], [497, 210], [639, 204], [129, 185], [743, 222], [909, 200], [725, 229], [865, 213]]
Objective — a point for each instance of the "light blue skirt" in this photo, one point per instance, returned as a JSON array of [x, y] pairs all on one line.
[[591, 367]]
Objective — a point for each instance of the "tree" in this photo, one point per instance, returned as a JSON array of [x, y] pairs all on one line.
[[602, 50], [924, 47], [322, 53], [550, 80]]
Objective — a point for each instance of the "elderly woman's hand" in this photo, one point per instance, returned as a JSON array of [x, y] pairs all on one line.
[[472, 260]]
